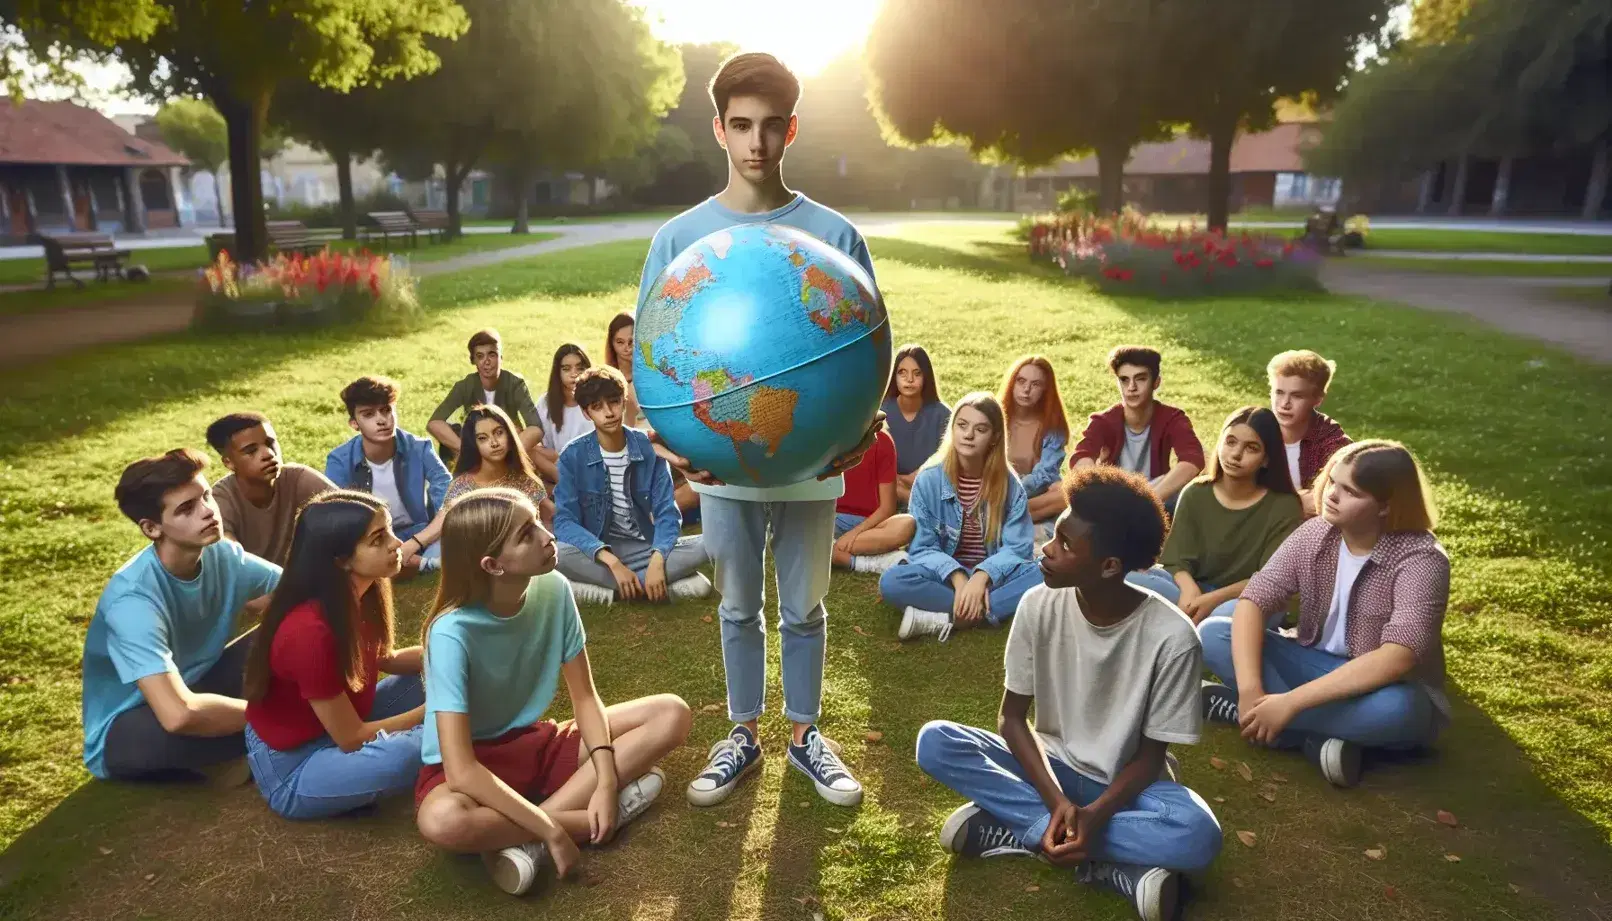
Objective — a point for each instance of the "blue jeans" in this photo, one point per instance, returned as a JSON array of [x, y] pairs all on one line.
[[319, 780], [844, 521], [1396, 716], [1159, 580], [802, 537], [906, 584], [688, 555], [1166, 826]]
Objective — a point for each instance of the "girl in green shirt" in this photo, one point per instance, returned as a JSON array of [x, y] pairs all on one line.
[[1229, 521]]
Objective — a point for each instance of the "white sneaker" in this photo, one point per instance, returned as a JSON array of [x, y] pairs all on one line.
[[514, 869], [880, 563], [638, 795], [916, 623], [593, 594], [689, 588]]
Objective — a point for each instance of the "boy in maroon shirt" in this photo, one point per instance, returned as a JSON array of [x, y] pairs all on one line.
[[1139, 433]]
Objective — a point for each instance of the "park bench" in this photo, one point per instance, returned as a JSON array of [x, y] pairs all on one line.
[[392, 223], [88, 250], [295, 237], [435, 223]]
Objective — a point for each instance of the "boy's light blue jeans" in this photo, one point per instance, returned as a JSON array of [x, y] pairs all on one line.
[[319, 780], [1159, 580], [1399, 715], [1166, 826], [802, 538]]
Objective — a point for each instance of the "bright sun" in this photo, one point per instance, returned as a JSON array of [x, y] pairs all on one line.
[[805, 35]]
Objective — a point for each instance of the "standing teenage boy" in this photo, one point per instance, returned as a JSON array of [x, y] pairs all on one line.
[[1299, 382], [399, 468], [755, 121], [162, 681], [491, 384], [1112, 672], [259, 499], [1139, 433], [615, 512]]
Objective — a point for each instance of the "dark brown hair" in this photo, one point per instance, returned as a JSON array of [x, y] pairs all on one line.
[[1139, 355], [931, 391], [369, 391], [600, 383], [754, 74], [222, 430], [617, 322], [484, 337], [145, 482], [1274, 476], [469, 459], [555, 398]]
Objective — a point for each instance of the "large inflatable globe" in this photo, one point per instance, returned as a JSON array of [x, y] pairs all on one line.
[[761, 354]]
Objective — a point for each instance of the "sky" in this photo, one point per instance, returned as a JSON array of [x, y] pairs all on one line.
[[807, 43]]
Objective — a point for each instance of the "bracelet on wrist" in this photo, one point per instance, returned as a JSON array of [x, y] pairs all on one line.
[[602, 748]]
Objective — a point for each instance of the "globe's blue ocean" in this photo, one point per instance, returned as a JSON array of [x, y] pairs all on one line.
[[761, 353]]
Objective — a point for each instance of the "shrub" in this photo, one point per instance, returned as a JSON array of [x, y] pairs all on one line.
[[289, 290], [1129, 255]]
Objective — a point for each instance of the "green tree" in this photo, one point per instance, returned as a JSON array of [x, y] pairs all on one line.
[[237, 54], [347, 126], [194, 128], [1024, 81]]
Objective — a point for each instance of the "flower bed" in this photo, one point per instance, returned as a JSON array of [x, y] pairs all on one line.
[[298, 290], [1129, 255]]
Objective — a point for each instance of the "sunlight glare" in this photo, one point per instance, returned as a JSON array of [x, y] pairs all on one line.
[[804, 35]]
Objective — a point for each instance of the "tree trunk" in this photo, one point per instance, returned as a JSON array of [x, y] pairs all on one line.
[[453, 177], [1111, 157], [243, 117], [1595, 191], [218, 196], [1458, 194], [521, 178], [1221, 137], [344, 189], [1502, 188]]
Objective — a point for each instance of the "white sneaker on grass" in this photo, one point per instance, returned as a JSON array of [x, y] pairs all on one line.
[[637, 796], [878, 563], [728, 762], [820, 762], [514, 869], [690, 588], [916, 623], [588, 593]]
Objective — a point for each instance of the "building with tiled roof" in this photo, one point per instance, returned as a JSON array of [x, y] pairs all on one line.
[[66, 168]]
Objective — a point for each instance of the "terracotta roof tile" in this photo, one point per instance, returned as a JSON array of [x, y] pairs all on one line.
[[1273, 151], [63, 132]]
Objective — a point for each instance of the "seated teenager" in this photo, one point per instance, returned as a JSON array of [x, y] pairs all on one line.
[[972, 555], [1112, 673], [1229, 521], [489, 456], [399, 468], [491, 385], [162, 681], [1139, 433], [563, 421], [1367, 667], [914, 415], [618, 349], [1299, 381], [614, 514], [499, 779], [1038, 433], [259, 498], [325, 734], [868, 534]]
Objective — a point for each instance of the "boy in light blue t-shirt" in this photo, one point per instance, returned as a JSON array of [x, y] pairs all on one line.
[[162, 682], [755, 121]]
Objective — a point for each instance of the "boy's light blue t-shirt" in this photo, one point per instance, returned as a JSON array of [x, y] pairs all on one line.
[[502, 671], [708, 217], [149, 622]]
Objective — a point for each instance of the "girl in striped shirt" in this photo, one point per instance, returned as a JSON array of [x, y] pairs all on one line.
[[973, 555]]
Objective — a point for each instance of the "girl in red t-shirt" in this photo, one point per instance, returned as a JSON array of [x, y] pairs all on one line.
[[323, 735]]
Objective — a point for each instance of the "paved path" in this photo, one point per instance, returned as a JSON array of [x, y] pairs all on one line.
[[1515, 305], [1485, 257]]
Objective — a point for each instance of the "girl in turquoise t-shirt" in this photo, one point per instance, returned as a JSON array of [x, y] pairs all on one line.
[[498, 779]]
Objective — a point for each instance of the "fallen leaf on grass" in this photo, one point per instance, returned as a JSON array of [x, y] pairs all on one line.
[[1377, 853], [724, 825], [711, 708], [1446, 817], [1389, 892], [1268, 793], [1245, 772], [1514, 887], [1220, 799], [807, 901], [1217, 763], [1237, 881], [1247, 838], [874, 736], [105, 851], [860, 631], [1452, 858], [706, 618], [804, 804], [150, 877], [1278, 777], [1032, 888]]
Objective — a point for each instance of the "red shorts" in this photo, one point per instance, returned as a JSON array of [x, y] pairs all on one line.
[[534, 760]]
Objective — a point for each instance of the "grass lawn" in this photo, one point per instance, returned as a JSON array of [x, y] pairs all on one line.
[[1526, 519], [1486, 241], [1486, 267], [161, 288]]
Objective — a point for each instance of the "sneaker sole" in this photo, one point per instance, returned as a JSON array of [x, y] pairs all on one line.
[[904, 632], [623, 817], [1158, 895], [1340, 763], [507, 875], [954, 825], [837, 797], [717, 795]]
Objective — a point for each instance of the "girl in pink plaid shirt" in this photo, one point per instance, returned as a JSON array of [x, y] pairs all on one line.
[[1367, 667]]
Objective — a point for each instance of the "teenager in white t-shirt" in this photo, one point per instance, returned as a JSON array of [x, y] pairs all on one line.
[[1113, 673], [563, 421]]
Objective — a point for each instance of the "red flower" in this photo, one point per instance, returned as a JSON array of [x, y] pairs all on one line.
[[1264, 263]]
